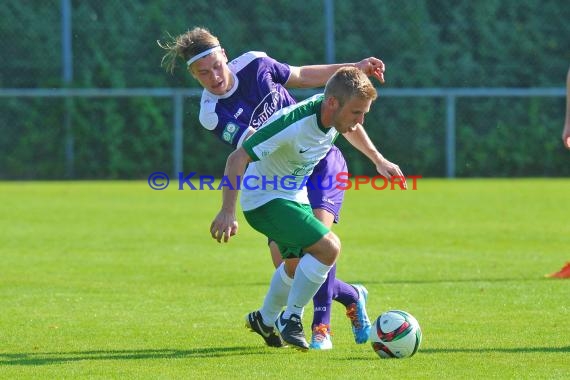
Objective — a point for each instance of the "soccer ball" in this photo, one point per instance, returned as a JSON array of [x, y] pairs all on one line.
[[395, 334]]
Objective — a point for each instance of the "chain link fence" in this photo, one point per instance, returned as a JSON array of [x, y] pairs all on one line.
[[425, 44]]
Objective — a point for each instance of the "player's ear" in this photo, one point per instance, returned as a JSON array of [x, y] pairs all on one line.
[[225, 56], [332, 103]]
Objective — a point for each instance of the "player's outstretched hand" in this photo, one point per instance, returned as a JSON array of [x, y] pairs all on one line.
[[373, 67], [390, 170], [224, 226]]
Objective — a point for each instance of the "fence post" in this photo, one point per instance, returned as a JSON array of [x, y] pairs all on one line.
[[450, 135], [329, 31], [177, 134], [67, 76]]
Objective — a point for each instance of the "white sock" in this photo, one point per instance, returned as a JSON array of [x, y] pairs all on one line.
[[309, 277], [276, 297]]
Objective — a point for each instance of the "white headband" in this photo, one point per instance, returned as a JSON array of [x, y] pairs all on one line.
[[202, 54]]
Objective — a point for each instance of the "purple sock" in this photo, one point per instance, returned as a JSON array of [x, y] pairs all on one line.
[[322, 301], [344, 293]]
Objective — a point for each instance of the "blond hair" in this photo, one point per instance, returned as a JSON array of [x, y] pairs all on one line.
[[186, 46], [348, 82]]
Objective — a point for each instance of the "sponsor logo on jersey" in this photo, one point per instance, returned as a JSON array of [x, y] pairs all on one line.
[[265, 109], [229, 132]]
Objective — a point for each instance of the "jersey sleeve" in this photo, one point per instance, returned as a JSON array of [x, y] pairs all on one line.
[[223, 125], [279, 71]]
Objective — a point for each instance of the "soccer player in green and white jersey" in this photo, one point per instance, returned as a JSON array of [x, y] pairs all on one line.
[[281, 154]]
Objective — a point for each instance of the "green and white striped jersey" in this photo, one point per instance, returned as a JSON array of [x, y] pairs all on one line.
[[285, 150]]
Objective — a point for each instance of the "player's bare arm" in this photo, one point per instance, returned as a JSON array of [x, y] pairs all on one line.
[[225, 223], [359, 139], [317, 75]]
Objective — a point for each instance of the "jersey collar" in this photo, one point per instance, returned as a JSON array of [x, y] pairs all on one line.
[[318, 106]]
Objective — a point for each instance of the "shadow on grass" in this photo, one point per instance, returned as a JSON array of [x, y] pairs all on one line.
[[47, 358], [512, 350]]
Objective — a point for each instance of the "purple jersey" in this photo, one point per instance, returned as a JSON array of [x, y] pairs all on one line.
[[258, 92]]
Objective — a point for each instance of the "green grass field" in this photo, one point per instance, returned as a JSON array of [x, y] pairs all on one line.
[[114, 280]]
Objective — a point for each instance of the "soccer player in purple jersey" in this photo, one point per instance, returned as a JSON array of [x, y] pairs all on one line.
[[238, 98]]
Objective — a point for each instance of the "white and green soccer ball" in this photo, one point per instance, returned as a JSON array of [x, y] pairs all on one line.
[[395, 334]]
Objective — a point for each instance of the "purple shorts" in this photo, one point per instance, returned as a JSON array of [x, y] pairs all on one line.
[[324, 192]]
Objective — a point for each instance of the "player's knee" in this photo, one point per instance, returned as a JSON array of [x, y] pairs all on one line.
[[334, 244], [326, 250], [330, 248]]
